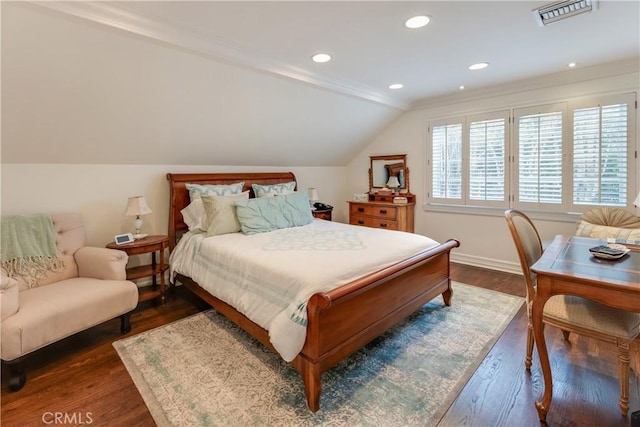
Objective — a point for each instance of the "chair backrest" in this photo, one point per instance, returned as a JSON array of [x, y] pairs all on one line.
[[528, 244]]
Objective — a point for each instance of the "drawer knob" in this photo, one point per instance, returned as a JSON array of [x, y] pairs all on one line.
[[361, 222], [383, 211], [383, 225], [360, 209]]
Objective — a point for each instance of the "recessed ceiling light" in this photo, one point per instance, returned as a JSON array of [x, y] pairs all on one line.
[[321, 57], [396, 86], [572, 64], [417, 21], [479, 66], [461, 87]]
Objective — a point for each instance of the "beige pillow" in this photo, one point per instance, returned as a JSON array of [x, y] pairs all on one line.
[[586, 229], [221, 214]]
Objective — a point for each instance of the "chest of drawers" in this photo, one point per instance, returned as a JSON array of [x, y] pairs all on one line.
[[378, 214]]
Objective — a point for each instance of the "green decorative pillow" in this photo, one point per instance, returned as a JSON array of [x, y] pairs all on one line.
[[272, 213], [220, 214], [198, 190], [586, 229], [273, 189]]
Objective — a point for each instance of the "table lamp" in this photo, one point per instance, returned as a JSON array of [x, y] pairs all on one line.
[[636, 203], [137, 206], [313, 196], [393, 183]]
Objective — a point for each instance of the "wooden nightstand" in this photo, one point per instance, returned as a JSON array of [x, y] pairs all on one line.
[[322, 214], [149, 244]]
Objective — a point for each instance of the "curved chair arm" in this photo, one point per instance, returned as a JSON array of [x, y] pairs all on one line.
[[9, 295], [101, 263]]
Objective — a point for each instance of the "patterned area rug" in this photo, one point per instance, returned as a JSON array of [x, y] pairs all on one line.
[[205, 371]]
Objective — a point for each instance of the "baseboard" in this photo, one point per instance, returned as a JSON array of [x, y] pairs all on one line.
[[490, 263]]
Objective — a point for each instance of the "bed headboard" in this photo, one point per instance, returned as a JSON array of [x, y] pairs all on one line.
[[179, 195]]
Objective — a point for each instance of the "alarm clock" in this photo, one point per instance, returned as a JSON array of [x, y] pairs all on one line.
[[123, 239]]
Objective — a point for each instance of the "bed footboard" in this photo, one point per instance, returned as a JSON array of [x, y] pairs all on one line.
[[339, 322]]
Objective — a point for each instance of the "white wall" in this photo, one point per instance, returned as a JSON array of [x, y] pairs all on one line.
[[485, 239], [100, 192], [74, 91]]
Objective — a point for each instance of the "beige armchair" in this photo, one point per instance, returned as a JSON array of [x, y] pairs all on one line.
[[91, 289]]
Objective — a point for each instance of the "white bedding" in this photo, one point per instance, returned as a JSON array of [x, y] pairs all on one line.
[[269, 277]]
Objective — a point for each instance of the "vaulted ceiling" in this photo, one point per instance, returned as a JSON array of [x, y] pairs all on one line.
[[167, 82]]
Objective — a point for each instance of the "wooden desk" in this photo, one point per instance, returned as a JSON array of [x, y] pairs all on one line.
[[567, 268]]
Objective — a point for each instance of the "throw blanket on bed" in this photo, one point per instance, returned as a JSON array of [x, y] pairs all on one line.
[[269, 277], [28, 247]]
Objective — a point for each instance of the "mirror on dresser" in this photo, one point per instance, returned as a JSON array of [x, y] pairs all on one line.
[[390, 208], [384, 167]]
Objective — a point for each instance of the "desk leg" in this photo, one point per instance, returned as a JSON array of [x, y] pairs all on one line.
[[538, 331]]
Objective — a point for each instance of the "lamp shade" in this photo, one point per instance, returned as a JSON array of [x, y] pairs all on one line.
[[393, 182], [313, 194], [137, 206], [637, 201]]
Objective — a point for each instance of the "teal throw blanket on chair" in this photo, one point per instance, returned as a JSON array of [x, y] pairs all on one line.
[[28, 247]]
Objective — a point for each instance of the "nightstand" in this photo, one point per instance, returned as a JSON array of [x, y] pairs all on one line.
[[322, 214], [149, 244]]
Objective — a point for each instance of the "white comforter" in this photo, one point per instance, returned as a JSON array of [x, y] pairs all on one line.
[[269, 277]]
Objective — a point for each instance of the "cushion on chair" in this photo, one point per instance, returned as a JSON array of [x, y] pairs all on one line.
[[594, 316], [80, 303], [9, 295], [586, 229], [611, 217]]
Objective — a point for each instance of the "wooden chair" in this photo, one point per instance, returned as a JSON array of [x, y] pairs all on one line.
[[571, 313]]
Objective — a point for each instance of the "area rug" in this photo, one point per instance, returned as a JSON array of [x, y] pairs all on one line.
[[205, 371]]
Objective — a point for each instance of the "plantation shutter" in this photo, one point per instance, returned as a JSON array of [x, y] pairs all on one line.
[[540, 158], [446, 162], [600, 161], [487, 161]]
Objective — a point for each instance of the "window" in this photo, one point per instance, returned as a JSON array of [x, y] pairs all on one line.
[[600, 158], [539, 157], [447, 161], [487, 159], [565, 157], [470, 170]]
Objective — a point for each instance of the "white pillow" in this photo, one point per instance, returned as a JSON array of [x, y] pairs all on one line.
[[194, 215], [220, 213]]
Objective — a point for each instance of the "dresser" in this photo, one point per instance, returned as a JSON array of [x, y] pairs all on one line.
[[381, 212]]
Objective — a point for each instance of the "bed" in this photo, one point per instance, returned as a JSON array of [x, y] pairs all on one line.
[[341, 320]]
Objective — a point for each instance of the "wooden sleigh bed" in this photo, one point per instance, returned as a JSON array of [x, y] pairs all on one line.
[[340, 321]]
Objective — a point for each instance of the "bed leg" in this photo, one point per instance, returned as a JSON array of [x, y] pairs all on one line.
[[446, 296], [312, 386]]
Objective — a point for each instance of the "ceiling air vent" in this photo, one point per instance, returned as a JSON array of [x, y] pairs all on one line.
[[563, 9]]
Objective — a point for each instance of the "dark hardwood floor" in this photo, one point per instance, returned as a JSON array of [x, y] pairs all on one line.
[[82, 381]]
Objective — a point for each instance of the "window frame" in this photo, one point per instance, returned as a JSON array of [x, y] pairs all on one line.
[[515, 170], [564, 211], [611, 99], [483, 117]]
